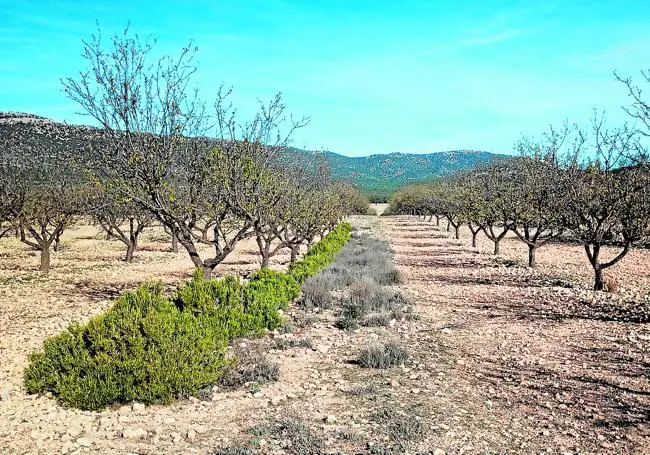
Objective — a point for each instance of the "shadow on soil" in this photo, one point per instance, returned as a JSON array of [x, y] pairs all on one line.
[[590, 395]]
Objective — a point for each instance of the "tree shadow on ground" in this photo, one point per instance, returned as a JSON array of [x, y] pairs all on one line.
[[600, 395], [433, 253], [573, 307], [503, 280], [441, 262], [95, 291], [425, 235]]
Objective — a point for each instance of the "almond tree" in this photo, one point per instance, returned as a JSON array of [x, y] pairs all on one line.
[[155, 151], [47, 212], [608, 194], [539, 188], [495, 189], [13, 190], [120, 218]]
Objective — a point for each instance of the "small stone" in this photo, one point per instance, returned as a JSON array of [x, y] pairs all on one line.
[[439, 452], [194, 400], [136, 433], [258, 395], [323, 348], [137, 407], [331, 419], [394, 383], [392, 322], [74, 432], [4, 395], [446, 330], [85, 442], [169, 420], [191, 434], [276, 400], [176, 437]]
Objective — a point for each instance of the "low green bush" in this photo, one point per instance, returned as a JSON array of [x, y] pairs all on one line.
[[153, 349], [321, 254], [143, 348]]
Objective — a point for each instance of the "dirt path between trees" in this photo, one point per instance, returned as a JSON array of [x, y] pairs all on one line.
[[525, 369]]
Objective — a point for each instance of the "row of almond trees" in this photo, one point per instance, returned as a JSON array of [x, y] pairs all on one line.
[[588, 185], [162, 156]]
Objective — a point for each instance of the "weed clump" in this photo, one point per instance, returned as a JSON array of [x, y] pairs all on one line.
[[234, 451], [300, 439], [367, 297], [383, 355], [400, 427], [288, 343], [250, 368], [316, 292]]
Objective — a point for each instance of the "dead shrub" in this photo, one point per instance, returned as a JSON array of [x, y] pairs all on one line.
[[316, 292], [249, 368], [288, 343], [383, 355]]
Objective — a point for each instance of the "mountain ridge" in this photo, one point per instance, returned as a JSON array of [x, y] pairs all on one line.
[[377, 175]]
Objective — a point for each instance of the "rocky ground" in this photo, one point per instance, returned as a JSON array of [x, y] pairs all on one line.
[[503, 359]]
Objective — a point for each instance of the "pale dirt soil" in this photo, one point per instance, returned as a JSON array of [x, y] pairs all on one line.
[[504, 359]]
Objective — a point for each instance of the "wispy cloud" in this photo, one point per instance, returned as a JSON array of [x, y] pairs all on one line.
[[492, 38]]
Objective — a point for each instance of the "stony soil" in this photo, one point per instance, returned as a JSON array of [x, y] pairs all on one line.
[[504, 359]]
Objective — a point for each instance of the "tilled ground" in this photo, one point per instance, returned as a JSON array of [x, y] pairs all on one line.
[[504, 359]]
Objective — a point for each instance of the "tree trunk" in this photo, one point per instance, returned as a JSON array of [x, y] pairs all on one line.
[[45, 259], [474, 234], [598, 282], [448, 225], [129, 252], [265, 259], [497, 243], [57, 242], [532, 250], [457, 233], [430, 218], [204, 236], [174, 244], [437, 220], [294, 254]]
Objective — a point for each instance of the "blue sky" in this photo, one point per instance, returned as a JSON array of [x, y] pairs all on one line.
[[374, 76]]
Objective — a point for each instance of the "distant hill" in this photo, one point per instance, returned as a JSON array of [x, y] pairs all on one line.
[[377, 175], [380, 175]]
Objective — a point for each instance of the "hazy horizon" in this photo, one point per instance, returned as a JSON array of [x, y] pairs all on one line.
[[409, 77]]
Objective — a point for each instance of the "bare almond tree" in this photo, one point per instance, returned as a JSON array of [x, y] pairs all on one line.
[[607, 201], [156, 151]]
